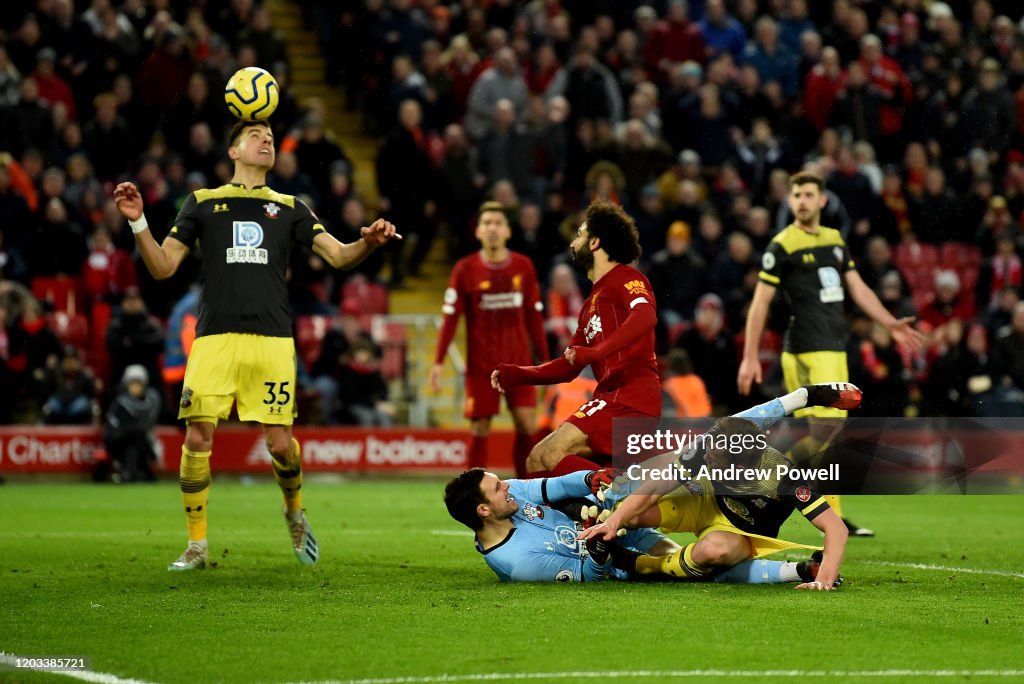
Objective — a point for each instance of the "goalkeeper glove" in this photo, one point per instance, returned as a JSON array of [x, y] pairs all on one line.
[[600, 480]]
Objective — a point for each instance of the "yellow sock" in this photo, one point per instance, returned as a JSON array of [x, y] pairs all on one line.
[[649, 565], [289, 478], [682, 566], [194, 477], [833, 502]]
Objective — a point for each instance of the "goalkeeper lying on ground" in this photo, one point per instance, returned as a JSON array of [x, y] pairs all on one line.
[[523, 535], [735, 519]]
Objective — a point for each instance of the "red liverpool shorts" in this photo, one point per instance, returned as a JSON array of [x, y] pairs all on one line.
[[483, 401], [594, 419]]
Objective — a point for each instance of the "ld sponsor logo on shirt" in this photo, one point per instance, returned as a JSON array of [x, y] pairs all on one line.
[[246, 236]]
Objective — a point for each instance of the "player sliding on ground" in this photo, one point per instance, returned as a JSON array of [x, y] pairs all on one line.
[[526, 531], [734, 519], [244, 351]]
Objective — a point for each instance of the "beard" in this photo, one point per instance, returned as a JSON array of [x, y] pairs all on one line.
[[583, 258]]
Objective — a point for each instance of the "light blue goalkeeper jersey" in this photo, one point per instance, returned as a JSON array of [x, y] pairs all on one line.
[[542, 547]]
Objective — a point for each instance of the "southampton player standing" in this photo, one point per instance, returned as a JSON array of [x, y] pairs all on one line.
[[498, 292], [615, 336], [813, 266], [244, 351]]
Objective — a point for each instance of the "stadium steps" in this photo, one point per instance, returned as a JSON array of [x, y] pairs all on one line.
[[307, 83], [420, 295]]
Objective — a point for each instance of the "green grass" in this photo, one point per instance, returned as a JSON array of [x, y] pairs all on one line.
[[400, 592]]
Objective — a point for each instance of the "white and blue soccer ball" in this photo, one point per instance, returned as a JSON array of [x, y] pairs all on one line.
[[251, 94]]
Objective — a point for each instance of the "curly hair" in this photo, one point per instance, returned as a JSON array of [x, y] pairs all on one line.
[[616, 230]]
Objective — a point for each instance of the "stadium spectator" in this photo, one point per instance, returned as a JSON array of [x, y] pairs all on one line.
[[362, 391], [128, 430], [590, 87], [331, 365], [721, 32], [407, 193], [56, 244], [775, 62], [675, 39], [709, 345], [504, 151], [684, 388], [108, 272], [758, 155], [30, 123], [502, 81], [564, 304], [894, 91], [164, 74], [134, 337], [107, 139], [197, 105], [678, 275], [1001, 270], [535, 240], [264, 38], [875, 362], [1008, 354], [288, 178], [989, 111], [52, 89], [729, 271], [68, 391], [497, 290]]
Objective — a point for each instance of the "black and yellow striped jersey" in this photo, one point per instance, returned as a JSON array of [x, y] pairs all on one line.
[[246, 236], [761, 506], [809, 268]]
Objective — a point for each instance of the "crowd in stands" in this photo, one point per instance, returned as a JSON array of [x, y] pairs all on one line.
[[691, 114]]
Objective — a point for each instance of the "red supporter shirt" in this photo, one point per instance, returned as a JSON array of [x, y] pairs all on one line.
[[630, 375], [504, 314]]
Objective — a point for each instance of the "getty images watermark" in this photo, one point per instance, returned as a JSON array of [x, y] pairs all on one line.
[[686, 443], [860, 455]]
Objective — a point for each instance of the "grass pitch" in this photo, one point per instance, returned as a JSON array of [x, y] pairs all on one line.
[[401, 596]]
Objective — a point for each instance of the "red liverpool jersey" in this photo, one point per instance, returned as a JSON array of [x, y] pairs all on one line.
[[503, 312], [630, 375]]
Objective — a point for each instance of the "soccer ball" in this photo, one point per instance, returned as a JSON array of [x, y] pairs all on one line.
[[251, 94]]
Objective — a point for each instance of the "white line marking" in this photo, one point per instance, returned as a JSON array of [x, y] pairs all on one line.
[[81, 675], [943, 568], [665, 674]]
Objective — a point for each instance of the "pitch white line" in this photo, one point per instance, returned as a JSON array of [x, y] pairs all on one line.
[[943, 568], [81, 675], [676, 674]]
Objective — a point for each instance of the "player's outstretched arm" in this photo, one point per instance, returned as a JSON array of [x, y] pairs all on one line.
[[836, 535], [508, 375], [162, 261], [349, 255], [902, 330]]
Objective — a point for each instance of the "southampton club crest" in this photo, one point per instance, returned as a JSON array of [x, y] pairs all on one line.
[[532, 512], [271, 210]]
